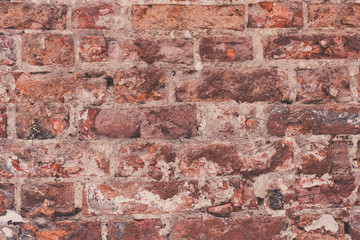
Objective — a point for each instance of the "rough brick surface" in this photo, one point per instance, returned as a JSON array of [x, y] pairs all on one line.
[[179, 119]]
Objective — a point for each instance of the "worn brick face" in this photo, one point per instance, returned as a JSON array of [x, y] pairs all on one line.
[[190, 17], [142, 230], [92, 16], [3, 122], [93, 48], [7, 50]]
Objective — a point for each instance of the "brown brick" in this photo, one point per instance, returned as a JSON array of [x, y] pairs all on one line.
[[47, 200], [32, 16], [62, 230], [228, 122], [145, 160], [275, 15], [139, 85], [48, 49], [264, 227], [312, 47], [7, 198], [93, 15], [242, 86], [7, 50], [140, 230], [226, 49], [170, 122], [165, 50], [190, 17], [93, 48], [41, 122], [318, 120], [3, 123], [324, 85], [334, 15]]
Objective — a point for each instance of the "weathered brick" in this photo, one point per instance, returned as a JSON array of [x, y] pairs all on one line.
[[7, 50], [318, 46], [344, 15], [77, 230], [275, 15], [146, 160], [318, 192], [355, 226], [32, 16], [250, 159], [228, 122], [47, 200], [3, 122], [94, 15], [323, 85], [139, 85], [7, 198], [190, 17], [242, 86], [140, 229], [264, 227], [123, 50], [93, 48], [48, 49], [41, 122], [170, 122], [53, 160], [316, 119], [226, 49]]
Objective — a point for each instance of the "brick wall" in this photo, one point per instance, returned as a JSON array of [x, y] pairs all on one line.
[[179, 119]]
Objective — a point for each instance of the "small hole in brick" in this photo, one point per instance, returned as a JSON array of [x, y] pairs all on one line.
[[346, 228], [109, 81], [260, 201]]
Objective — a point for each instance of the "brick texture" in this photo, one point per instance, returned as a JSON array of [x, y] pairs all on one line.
[[179, 119]]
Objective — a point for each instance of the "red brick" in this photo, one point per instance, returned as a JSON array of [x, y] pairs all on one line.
[[226, 49], [47, 200], [190, 17], [275, 15], [228, 121], [324, 85], [170, 122], [319, 46], [48, 49], [3, 122], [242, 86], [93, 48], [355, 226], [123, 50], [251, 159], [7, 198], [141, 230], [139, 85], [264, 227], [145, 160], [221, 210], [78, 230], [314, 158], [41, 122], [32, 16], [7, 50], [65, 160], [317, 120], [317, 192], [7, 93], [334, 15], [93, 15]]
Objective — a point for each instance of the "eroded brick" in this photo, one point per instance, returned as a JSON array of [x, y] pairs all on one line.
[[317, 120], [225, 49], [312, 47], [324, 85], [242, 86], [41, 122], [93, 48], [275, 15], [32, 16], [190, 17], [7, 50], [264, 227], [3, 122], [48, 49], [7, 198], [94, 15], [139, 85], [47, 200], [141, 230]]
